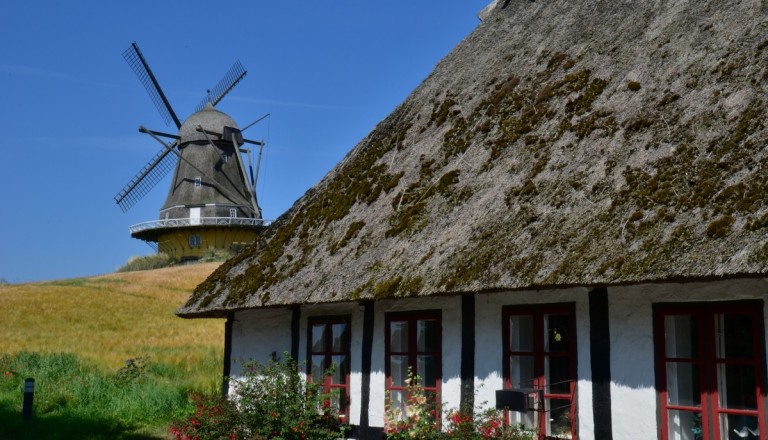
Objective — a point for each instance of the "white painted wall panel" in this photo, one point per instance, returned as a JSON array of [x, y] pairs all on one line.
[[355, 311], [633, 394], [489, 346], [451, 347], [256, 334]]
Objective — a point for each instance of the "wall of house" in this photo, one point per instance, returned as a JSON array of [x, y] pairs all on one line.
[[634, 411], [355, 311], [257, 334], [450, 387], [489, 351]]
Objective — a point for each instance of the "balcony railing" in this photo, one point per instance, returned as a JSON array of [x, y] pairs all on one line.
[[202, 221]]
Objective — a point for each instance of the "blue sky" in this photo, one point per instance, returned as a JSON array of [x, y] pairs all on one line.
[[70, 106]]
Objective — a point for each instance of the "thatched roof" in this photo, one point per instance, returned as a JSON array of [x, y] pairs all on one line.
[[564, 142]]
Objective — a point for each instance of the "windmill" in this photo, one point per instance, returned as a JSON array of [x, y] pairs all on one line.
[[211, 202]]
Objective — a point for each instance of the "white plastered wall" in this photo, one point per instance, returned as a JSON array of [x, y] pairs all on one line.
[[489, 347], [634, 399], [450, 386], [256, 334], [355, 311]]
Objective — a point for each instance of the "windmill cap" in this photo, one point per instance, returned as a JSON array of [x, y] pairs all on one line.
[[210, 119]]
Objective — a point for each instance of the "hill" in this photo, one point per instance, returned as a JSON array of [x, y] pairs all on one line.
[[111, 318]]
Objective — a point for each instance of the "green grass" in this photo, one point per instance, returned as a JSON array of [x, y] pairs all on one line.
[[75, 336], [76, 399]]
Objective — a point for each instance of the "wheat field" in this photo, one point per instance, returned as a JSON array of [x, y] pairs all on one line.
[[111, 318]]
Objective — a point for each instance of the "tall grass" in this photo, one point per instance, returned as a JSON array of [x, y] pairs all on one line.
[[75, 399], [74, 336], [147, 262]]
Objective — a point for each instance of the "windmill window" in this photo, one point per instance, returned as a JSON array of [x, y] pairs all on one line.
[[198, 182], [195, 241], [328, 350], [233, 212]]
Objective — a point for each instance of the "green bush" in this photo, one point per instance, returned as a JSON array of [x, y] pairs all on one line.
[[147, 262], [215, 254], [274, 401]]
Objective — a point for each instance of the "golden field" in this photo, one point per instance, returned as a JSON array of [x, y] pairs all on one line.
[[111, 318]]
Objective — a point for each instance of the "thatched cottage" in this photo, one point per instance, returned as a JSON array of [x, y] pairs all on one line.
[[574, 201]]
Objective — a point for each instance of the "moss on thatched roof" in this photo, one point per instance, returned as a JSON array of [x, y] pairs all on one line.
[[566, 142]]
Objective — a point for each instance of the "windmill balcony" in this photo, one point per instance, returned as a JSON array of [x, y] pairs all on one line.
[[200, 221]]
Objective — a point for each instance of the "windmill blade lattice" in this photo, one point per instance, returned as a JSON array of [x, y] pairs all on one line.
[[231, 78], [146, 179], [136, 60]]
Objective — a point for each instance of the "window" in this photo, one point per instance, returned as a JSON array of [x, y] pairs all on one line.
[[413, 344], [233, 212], [709, 371], [198, 182], [540, 353], [328, 350], [195, 241]]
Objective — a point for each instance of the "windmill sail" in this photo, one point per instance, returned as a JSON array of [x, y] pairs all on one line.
[[146, 179], [136, 60], [231, 78]]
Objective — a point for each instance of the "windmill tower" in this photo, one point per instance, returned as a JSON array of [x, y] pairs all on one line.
[[211, 203]]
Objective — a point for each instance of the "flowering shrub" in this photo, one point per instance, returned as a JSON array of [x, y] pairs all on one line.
[[215, 418], [489, 424], [418, 420], [273, 401], [278, 403]]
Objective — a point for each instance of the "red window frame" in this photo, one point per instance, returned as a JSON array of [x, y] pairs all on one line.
[[412, 352], [708, 363], [539, 355], [328, 353]]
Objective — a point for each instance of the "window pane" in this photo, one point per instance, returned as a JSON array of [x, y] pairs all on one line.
[[521, 371], [339, 376], [318, 338], [558, 413], [683, 386], [557, 374], [338, 400], [527, 419], [425, 368], [397, 404], [399, 370], [398, 336], [736, 386], [556, 336], [684, 425], [733, 336], [339, 337], [521, 333], [738, 427], [681, 336], [426, 336], [318, 368]]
